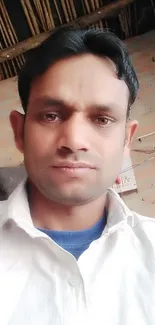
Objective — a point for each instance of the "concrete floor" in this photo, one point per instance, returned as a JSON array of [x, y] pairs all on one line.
[[142, 50]]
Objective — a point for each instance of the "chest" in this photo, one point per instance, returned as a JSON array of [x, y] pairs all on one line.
[[113, 286]]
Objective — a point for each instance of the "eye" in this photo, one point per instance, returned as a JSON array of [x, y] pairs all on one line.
[[102, 120], [51, 117]]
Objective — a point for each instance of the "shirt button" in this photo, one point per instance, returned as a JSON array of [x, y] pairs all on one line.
[[73, 281]]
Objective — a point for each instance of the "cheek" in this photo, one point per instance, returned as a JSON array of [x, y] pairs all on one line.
[[112, 159], [112, 155], [38, 142], [110, 145]]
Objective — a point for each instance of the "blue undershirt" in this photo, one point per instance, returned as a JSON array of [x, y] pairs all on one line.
[[76, 242]]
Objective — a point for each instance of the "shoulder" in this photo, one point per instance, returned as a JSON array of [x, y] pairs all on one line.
[[3, 211], [143, 227], [3, 205], [143, 220]]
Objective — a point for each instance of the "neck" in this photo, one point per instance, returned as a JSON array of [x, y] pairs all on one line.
[[53, 216]]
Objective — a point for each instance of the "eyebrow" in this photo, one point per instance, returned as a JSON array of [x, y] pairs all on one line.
[[46, 101], [103, 108]]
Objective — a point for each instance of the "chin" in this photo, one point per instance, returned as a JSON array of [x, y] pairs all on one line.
[[71, 193], [69, 198]]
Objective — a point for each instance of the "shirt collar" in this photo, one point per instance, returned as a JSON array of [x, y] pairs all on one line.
[[117, 211], [16, 208]]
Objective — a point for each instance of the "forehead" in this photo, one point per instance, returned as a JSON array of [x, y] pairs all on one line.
[[86, 78]]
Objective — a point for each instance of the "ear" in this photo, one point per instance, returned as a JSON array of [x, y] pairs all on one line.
[[17, 124], [131, 128]]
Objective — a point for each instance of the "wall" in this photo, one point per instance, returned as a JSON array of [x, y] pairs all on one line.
[[9, 101], [142, 50]]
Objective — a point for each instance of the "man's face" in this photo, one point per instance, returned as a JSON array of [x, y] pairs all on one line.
[[75, 129]]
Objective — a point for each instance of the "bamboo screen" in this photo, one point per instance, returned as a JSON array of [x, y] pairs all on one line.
[[44, 15]]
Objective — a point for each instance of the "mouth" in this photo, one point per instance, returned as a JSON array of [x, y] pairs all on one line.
[[70, 169], [75, 165]]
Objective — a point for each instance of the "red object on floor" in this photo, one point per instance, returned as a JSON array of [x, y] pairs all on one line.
[[118, 180]]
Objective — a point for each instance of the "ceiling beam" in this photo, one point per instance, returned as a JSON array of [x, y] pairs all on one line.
[[106, 11]]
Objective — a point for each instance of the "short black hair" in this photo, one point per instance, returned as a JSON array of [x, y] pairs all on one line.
[[71, 41]]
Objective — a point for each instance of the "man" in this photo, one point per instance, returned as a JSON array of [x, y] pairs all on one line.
[[71, 252]]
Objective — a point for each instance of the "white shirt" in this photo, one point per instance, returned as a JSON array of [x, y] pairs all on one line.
[[112, 283]]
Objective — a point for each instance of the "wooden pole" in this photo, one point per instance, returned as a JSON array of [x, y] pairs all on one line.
[[90, 19], [26, 12], [57, 10], [67, 18], [3, 9]]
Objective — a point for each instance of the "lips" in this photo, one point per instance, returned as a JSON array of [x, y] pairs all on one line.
[[67, 170], [73, 165]]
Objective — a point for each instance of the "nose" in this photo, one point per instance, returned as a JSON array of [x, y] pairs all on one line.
[[73, 135]]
